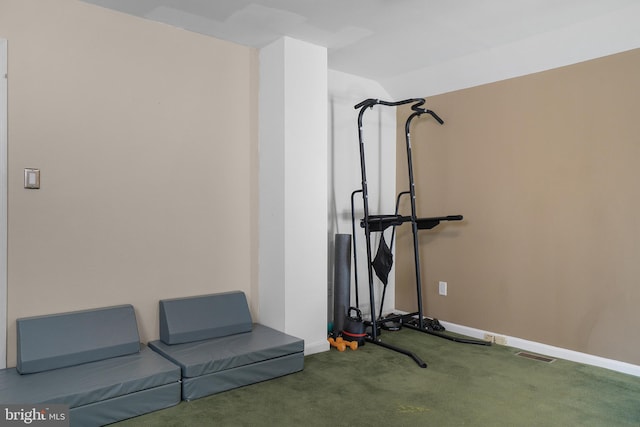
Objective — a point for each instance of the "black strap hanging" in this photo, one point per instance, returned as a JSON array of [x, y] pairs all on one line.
[[383, 261]]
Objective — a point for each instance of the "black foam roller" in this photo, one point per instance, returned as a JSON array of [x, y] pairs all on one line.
[[341, 280]]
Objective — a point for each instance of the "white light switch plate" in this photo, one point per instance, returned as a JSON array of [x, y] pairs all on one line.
[[442, 288], [32, 178]]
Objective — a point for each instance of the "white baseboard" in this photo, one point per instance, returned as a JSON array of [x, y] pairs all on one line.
[[547, 350], [316, 347]]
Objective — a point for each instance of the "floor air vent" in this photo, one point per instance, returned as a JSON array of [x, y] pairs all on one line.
[[535, 357]]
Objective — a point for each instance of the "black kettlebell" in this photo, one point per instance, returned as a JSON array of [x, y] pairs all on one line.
[[354, 329]]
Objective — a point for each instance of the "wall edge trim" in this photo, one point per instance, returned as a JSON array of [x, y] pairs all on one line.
[[549, 350]]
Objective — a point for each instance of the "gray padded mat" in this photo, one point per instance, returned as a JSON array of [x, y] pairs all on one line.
[[123, 407], [90, 382], [218, 354], [203, 317], [194, 388], [68, 339]]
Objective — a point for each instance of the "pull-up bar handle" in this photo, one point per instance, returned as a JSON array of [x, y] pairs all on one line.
[[434, 115], [370, 102], [417, 102]]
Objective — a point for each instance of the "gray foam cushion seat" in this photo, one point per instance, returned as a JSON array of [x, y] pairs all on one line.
[[89, 382], [68, 339], [212, 339], [204, 357], [92, 361], [203, 317]]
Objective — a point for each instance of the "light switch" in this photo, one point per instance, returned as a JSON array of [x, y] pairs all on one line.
[[32, 178]]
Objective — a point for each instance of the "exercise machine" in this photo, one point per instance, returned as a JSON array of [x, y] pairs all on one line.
[[382, 262]]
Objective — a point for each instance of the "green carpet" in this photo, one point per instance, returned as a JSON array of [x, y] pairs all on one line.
[[464, 385]]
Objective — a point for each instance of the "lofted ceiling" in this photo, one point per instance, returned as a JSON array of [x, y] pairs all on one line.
[[402, 42]]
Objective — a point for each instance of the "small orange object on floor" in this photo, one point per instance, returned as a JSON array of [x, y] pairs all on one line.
[[342, 345]]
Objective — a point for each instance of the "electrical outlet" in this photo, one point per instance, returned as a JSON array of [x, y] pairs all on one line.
[[500, 340], [496, 339], [442, 288]]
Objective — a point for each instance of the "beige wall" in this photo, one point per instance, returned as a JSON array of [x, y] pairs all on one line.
[[546, 170], [146, 136]]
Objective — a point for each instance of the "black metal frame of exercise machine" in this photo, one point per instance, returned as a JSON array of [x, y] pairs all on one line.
[[379, 223]]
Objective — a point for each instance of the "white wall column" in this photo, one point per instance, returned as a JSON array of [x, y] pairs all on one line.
[[293, 190], [3, 203]]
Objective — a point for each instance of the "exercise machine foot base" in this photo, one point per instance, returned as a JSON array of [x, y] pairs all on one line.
[[441, 334], [412, 355]]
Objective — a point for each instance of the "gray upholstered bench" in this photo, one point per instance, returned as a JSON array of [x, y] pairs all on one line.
[[93, 362], [213, 340]]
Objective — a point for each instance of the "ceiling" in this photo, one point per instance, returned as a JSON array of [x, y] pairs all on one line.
[[391, 40]]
